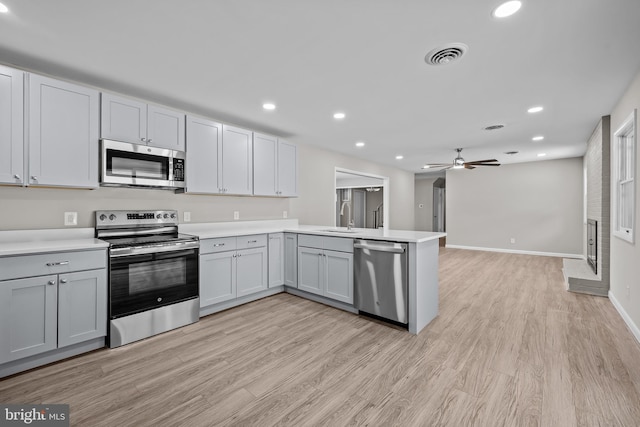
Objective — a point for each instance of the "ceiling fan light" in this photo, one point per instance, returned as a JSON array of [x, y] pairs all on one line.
[[458, 166]]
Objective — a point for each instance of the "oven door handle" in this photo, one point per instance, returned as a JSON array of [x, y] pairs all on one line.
[[141, 250]]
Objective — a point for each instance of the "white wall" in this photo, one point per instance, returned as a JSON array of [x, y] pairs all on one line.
[[540, 204], [316, 186], [625, 256]]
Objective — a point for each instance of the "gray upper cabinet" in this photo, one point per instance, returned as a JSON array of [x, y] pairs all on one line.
[[287, 169], [204, 149], [129, 120], [274, 167], [276, 259], [28, 317], [63, 133], [237, 161], [11, 126]]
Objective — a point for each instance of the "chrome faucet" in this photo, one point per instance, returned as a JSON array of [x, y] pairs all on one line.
[[350, 221]]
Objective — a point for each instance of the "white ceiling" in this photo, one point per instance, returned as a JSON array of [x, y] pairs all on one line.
[[223, 59]]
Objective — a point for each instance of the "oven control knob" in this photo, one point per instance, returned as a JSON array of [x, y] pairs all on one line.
[[173, 216], [159, 299], [159, 216], [103, 217], [112, 217], [166, 216]]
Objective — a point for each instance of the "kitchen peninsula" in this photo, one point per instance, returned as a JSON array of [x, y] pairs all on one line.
[[422, 261]]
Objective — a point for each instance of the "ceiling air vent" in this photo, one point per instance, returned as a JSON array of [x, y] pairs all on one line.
[[494, 127], [446, 54]]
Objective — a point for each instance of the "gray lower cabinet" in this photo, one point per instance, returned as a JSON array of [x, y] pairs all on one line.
[[291, 259], [82, 306], [43, 313], [217, 278], [323, 270], [276, 259], [232, 267], [251, 272]]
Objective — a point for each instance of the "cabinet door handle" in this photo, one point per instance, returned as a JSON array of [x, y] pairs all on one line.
[[143, 139], [150, 140], [16, 176], [217, 245], [34, 178], [51, 282], [252, 241], [63, 280], [54, 264]]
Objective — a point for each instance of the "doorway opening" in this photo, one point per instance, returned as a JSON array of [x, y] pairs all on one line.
[[361, 199]]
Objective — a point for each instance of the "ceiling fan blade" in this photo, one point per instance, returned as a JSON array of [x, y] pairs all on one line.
[[468, 166], [487, 164], [481, 161]]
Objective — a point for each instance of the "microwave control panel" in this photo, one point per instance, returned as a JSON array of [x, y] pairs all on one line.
[[178, 169]]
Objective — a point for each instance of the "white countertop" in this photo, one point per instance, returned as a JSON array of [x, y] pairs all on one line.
[[226, 229], [21, 242]]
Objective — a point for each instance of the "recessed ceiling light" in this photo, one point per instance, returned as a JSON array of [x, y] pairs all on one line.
[[3, 8], [269, 106], [399, 157], [359, 144], [339, 116], [507, 9], [537, 138], [535, 109], [542, 154]]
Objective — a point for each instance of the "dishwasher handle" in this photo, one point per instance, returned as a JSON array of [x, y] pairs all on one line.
[[380, 248]]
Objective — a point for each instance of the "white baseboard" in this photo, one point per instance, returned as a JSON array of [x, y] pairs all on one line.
[[515, 251], [627, 319]]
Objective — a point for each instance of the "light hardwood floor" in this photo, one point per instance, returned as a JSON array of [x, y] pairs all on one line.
[[510, 348]]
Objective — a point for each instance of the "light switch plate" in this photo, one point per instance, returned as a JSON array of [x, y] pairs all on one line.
[[186, 216], [236, 215], [285, 214], [70, 218]]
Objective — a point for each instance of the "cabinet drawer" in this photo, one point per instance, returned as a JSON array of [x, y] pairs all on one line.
[[310, 241], [252, 241], [338, 244], [209, 246], [14, 267]]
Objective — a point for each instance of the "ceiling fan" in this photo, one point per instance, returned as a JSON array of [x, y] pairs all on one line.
[[459, 163]]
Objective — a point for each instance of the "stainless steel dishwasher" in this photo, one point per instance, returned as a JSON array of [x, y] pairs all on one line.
[[380, 276]]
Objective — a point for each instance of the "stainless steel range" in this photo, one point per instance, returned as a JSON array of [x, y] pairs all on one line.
[[153, 274]]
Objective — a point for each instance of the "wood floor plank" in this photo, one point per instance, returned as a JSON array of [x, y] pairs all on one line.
[[510, 347]]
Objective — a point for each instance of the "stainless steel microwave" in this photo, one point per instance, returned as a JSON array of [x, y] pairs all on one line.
[[134, 165]]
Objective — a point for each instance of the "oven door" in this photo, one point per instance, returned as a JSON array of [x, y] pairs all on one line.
[[146, 281]]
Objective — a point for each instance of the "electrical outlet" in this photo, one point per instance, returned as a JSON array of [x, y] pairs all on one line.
[[236, 215], [71, 218], [186, 216], [285, 214], [513, 240]]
